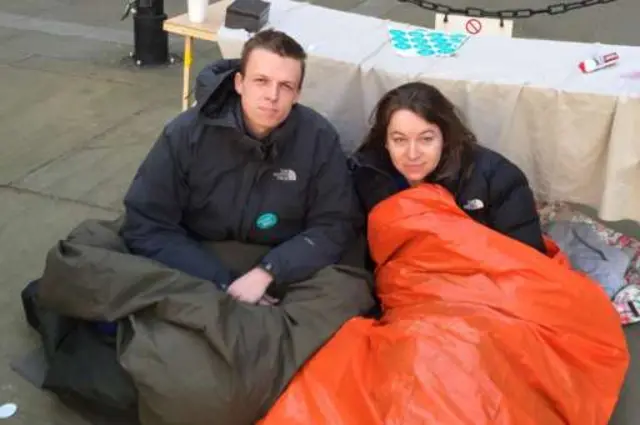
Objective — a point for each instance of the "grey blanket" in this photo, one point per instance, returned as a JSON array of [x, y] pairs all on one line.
[[588, 253]]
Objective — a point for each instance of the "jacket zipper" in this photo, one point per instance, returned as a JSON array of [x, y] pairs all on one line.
[[243, 230], [259, 169]]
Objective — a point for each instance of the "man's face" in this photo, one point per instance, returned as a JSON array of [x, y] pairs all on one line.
[[268, 90]]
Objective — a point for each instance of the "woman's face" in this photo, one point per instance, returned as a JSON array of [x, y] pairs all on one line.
[[414, 145]]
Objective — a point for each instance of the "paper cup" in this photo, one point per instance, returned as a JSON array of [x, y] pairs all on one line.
[[197, 10]]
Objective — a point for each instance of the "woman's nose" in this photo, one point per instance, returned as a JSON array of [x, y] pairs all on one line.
[[414, 152]]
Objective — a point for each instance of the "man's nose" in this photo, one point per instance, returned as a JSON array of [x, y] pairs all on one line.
[[273, 91]]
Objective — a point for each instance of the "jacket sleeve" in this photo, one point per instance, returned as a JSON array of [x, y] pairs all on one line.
[[154, 205], [333, 221], [512, 208]]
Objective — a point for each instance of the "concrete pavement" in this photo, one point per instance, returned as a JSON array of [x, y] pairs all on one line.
[[76, 119]]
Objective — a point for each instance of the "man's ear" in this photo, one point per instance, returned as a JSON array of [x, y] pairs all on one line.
[[237, 82], [296, 97]]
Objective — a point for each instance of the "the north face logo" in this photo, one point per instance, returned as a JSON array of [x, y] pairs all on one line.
[[285, 174], [474, 205]]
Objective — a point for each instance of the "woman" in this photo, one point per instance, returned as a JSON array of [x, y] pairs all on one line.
[[474, 327], [418, 137]]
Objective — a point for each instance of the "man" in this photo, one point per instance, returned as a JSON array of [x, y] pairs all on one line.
[[247, 164]]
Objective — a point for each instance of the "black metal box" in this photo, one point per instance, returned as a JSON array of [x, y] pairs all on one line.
[[250, 15]]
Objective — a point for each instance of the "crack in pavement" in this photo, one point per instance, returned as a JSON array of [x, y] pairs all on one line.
[[22, 190]]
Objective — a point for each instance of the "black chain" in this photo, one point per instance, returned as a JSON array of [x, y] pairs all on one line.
[[477, 12]]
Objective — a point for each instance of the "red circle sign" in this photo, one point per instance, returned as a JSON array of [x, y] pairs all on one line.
[[473, 26]]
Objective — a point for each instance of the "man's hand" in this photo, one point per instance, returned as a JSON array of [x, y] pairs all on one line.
[[251, 286]]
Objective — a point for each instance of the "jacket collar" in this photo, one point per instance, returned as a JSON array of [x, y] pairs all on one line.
[[226, 112], [371, 159], [381, 164]]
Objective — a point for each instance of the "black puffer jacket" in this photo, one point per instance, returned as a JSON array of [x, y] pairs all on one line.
[[496, 193], [207, 179]]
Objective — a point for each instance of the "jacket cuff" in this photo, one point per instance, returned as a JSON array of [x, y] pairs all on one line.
[[223, 279], [270, 266]]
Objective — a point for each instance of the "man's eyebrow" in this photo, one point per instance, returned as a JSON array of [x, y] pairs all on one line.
[[292, 83]]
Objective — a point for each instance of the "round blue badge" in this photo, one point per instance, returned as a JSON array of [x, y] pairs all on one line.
[[266, 221]]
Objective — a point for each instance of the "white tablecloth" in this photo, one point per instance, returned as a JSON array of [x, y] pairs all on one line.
[[577, 137]]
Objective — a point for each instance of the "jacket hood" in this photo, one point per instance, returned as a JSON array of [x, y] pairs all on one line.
[[214, 85], [371, 158], [218, 104]]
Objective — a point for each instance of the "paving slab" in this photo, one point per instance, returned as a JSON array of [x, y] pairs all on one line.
[[30, 224], [77, 118], [6, 34], [37, 42], [107, 164], [95, 176], [373, 7], [337, 4], [112, 68], [33, 7], [8, 55], [66, 112]]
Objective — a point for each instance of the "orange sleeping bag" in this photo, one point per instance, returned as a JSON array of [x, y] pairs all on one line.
[[477, 329]]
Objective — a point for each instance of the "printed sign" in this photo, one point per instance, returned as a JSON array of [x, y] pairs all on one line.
[[474, 26]]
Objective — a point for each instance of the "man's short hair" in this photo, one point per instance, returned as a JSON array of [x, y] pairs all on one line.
[[275, 42]]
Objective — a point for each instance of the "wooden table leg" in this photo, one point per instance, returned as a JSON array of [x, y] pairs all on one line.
[[186, 72]]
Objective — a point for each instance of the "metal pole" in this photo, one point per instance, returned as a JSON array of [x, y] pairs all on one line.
[[151, 42]]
